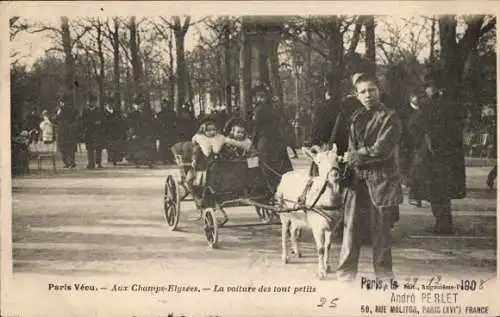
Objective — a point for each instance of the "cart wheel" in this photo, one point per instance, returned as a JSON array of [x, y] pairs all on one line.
[[210, 228], [171, 203], [266, 215]]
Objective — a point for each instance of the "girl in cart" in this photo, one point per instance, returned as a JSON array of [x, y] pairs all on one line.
[[206, 143], [237, 144]]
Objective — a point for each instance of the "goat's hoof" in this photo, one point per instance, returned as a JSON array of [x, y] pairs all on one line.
[[321, 275], [284, 259]]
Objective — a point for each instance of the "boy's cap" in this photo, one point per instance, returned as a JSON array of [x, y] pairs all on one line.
[[362, 77]]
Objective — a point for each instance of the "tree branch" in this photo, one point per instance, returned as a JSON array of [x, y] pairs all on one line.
[[80, 36], [355, 37], [473, 32], [298, 39], [186, 24], [46, 29], [167, 22]]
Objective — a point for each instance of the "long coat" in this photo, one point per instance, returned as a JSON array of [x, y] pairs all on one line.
[[67, 128], [271, 146], [92, 124], [415, 154], [330, 129], [378, 131], [448, 163]]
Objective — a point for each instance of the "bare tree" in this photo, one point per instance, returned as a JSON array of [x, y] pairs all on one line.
[[245, 69], [370, 43], [137, 70], [65, 44], [112, 34], [180, 29]]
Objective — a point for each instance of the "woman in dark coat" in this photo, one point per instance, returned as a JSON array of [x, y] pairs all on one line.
[[330, 128], [67, 128], [268, 140], [415, 151]]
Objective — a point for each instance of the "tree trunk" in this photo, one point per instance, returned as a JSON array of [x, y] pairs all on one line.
[[274, 67], [451, 113], [336, 52], [220, 81], [136, 63], [370, 44], [100, 77], [181, 73], [171, 76], [227, 67], [263, 58], [245, 72], [116, 64], [69, 72], [433, 40], [308, 70], [129, 90]]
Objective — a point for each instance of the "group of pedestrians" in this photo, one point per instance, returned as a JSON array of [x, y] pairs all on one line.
[[140, 136]]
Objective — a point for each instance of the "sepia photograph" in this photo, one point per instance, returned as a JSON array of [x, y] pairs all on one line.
[[191, 163]]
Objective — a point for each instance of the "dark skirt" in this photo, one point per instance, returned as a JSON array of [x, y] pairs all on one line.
[[274, 160]]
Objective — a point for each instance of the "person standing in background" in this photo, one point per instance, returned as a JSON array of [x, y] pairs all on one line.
[[330, 128], [92, 123], [416, 150], [166, 121], [113, 133], [47, 128], [492, 131], [268, 140], [66, 120], [447, 170], [32, 123]]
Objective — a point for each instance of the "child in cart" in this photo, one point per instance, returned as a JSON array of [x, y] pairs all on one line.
[[238, 144], [207, 143]]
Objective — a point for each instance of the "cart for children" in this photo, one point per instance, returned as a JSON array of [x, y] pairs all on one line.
[[225, 183]]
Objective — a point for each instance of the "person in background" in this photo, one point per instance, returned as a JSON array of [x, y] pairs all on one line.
[[92, 123], [47, 128], [113, 133], [67, 127], [447, 170], [330, 128], [141, 134], [32, 123], [374, 192], [324, 121], [267, 138], [167, 127], [492, 175], [416, 150], [20, 153]]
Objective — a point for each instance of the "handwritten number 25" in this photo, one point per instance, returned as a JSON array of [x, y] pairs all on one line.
[[323, 300]]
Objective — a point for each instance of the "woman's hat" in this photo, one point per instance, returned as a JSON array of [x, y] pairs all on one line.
[[261, 88]]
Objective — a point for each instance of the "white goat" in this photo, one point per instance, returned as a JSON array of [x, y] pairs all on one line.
[[326, 210]]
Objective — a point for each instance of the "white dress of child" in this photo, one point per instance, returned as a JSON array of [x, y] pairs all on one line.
[[209, 145]]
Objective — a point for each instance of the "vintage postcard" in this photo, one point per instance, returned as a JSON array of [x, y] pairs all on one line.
[[239, 158]]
